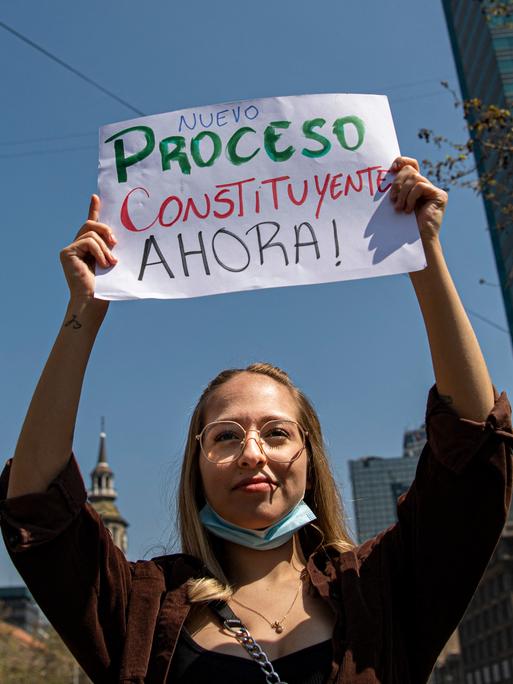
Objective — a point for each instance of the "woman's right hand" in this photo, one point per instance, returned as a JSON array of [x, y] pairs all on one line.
[[91, 246]]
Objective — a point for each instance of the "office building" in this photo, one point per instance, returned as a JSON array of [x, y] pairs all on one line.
[[17, 607], [483, 52], [378, 482], [486, 630]]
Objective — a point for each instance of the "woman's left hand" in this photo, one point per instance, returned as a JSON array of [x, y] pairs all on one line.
[[411, 191]]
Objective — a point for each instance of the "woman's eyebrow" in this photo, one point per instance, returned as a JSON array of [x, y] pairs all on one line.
[[259, 421]]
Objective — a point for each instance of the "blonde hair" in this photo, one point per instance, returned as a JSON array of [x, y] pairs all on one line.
[[323, 496]]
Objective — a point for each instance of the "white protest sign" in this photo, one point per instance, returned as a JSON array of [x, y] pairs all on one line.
[[258, 193]]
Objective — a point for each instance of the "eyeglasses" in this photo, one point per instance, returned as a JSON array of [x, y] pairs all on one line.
[[223, 441]]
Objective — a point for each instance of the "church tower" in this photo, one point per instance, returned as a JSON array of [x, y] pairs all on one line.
[[102, 495]]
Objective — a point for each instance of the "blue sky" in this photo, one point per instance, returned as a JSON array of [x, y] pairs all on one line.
[[357, 348]]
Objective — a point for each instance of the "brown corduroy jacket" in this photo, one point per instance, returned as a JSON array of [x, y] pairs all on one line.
[[398, 597]]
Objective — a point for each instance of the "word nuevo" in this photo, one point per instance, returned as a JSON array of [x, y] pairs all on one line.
[[206, 147]]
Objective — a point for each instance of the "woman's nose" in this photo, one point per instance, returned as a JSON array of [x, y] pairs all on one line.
[[252, 452]]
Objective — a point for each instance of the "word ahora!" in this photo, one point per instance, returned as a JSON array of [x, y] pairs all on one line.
[[206, 147], [234, 253]]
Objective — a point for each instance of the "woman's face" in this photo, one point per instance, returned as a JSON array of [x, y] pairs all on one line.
[[252, 399]]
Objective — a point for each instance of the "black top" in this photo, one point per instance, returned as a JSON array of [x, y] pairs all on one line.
[[192, 663]]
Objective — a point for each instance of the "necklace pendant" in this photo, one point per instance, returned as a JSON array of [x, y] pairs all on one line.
[[277, 627]]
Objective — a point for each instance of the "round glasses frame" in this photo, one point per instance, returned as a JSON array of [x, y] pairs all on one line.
[[259, 441]]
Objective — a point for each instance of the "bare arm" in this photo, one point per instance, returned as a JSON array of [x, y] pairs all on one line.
[[45, 442], [461, 374]]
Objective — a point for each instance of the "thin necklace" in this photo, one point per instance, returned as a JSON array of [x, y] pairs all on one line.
[[277, 625]]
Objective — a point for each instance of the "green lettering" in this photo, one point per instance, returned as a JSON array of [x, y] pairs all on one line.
[[231, 147], [338, 129], [271, 138], [311, 135], [122, 162], [195, 148], [176, 154]]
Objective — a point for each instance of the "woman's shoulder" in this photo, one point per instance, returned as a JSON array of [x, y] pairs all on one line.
[[331, 563], [174, 569]]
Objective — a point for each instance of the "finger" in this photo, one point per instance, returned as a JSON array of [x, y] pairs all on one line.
[[94, 208], [406, 187], [406, 174], [424, 190], [400, 162], [400, 178], [89, 246], [86, 239], [101, 228], [87, 251]]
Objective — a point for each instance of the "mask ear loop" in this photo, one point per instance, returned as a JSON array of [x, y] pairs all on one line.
[[309, 474]]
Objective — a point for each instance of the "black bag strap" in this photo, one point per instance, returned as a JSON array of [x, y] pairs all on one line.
[[234, 625], [223, 611]]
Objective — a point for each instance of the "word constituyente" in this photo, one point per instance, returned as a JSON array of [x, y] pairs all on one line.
[[206, 147]]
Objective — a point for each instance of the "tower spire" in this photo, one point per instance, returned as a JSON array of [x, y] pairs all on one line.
[[102, 494], [102, 450]]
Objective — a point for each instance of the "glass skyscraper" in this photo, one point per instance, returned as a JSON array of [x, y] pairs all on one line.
[[483, 52], [378, 482]]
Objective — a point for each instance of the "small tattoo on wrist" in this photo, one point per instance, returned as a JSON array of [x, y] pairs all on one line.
[[446, 398], [74, 322]]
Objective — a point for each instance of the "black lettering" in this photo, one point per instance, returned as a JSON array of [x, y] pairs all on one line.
[[313, 243], [185, 254], [223, 231], [269, 243], [148, 244]]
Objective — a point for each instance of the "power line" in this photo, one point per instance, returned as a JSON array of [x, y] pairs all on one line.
[[487, 320], [23, 141], [433, 93], [70, 68], [409, 84], [6, 143], [39, 153], [474, 313], [397, 86]]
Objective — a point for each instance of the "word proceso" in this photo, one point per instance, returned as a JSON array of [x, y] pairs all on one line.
[[206, 147]]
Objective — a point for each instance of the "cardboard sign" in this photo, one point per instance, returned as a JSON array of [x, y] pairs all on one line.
[[258, 193]]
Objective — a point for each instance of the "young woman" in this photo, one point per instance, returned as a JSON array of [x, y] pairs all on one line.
[[267, 558]]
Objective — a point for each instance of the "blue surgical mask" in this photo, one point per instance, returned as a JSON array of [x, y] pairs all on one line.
[[271, 537]]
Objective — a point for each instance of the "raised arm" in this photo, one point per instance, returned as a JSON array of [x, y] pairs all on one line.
[[44, 445], [461, 374]]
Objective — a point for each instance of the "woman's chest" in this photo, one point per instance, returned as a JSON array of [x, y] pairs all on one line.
[[279, 633]]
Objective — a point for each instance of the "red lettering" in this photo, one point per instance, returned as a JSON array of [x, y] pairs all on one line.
[[274, 184], [382, 174], [350, 184], [237, 184], [226, 200], [165, 204], [190, 204], [368, 171], [321, 192], [298, 203], [335, 184], [125, 216]]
